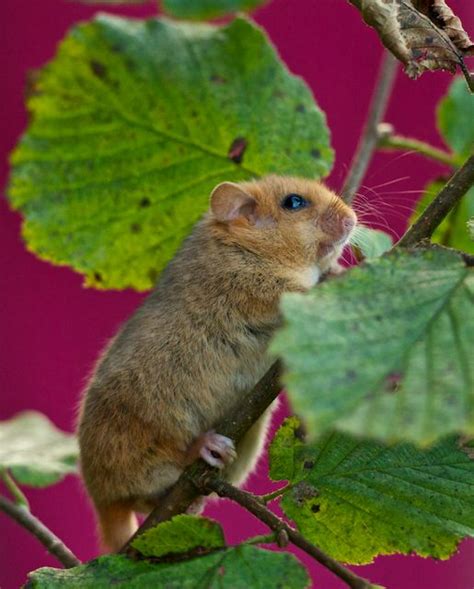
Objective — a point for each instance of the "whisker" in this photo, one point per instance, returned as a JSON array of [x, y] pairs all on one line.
[[391, 182], [392, 161]]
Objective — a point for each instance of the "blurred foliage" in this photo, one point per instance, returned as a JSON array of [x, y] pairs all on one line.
[[389, 338], [34, 451]]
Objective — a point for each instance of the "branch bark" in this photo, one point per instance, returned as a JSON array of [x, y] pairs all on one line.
[[369, 139], [187, 489], [49, 540], [256, 507], [437, 210]]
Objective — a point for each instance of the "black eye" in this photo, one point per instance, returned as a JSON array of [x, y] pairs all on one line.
[[293, 202]]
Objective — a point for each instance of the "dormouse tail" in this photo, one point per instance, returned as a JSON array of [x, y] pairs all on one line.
[[117, 524]]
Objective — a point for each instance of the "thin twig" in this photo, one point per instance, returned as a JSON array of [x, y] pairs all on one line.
[[398, 143], [182, 494], [14, 489], [368, 141], [437, 210], [49, 540], [275, 494], [255, 506]]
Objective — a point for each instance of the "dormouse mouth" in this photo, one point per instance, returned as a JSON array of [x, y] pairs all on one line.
[[324, 249]]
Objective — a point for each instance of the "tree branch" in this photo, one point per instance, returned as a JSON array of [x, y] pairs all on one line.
[[240, 419], [256, 507], [437, 210], [369, 138], [49, 540]]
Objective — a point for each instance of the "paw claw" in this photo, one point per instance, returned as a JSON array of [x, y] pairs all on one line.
[[217, 450]]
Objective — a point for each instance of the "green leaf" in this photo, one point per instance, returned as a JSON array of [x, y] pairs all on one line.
[[356, 498], [203, 9], [234, 568], [34, 451], [386, 349], [370, 243], [452, 230], [134, 123], [181, 534], [455, 116]]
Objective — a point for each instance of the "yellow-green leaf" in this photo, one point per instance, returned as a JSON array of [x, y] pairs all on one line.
[[183, 533], [356, 498], [133, 124]]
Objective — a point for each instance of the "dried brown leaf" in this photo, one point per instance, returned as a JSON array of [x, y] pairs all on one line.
[[422, 34]]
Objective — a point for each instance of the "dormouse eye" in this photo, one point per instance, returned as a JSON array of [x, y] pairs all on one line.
[[293, 202]]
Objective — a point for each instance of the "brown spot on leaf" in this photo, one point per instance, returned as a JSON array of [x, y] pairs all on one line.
[[145, 202], [316, 153], [303, 491], [300, 432], [237, 150], [97, 277], [300, 108], [393, 381], [216, 79], [98, 69], [315, 508], [135, 228], [308, 464]]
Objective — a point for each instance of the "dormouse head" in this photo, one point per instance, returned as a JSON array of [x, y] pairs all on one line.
[[295, 223]]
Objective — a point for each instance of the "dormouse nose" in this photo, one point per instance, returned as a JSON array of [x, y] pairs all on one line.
[[338, 223], [348, 224]]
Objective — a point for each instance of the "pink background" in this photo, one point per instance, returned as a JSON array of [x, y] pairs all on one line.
[[52, 328]]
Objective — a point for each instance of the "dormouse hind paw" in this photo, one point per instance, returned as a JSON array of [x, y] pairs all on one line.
[[217, 450]]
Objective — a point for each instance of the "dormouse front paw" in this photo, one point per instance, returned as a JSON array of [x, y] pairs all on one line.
[[217, 450]]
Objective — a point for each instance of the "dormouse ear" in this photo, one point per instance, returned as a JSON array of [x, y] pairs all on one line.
[[229, 201]]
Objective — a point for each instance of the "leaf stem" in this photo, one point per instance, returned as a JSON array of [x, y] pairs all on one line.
[[14, 489], [275, 494], [436, 211], [50, 541], [399, 142], [369, 138], [252, 504]]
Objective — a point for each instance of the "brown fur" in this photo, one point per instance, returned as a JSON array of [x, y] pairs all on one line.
[[198, 342]]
